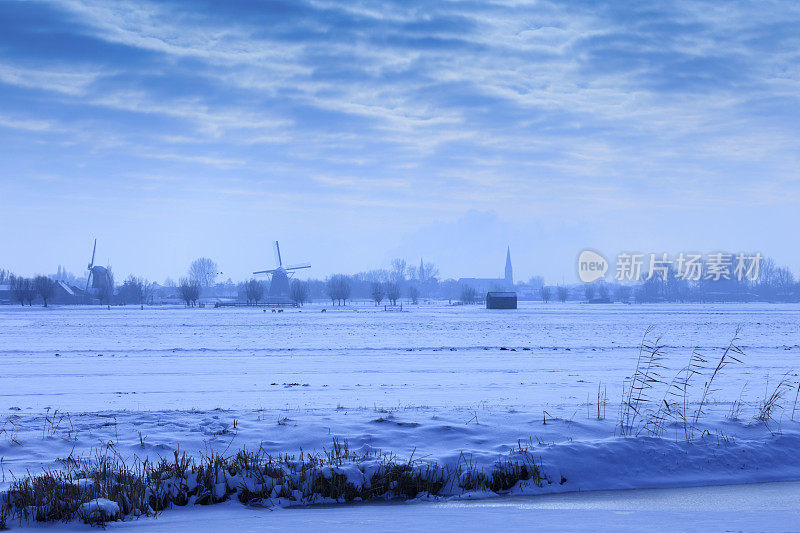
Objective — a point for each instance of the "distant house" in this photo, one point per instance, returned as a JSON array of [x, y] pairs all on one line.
[[501, 300], [65, 294], [5, 294], [484, 285], [162, 294]]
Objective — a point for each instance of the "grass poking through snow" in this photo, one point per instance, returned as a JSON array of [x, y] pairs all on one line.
[[105, 488]]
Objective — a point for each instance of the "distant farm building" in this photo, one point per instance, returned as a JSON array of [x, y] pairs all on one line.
[[5, 294], [65, 294], [501, 300], [484, 285]]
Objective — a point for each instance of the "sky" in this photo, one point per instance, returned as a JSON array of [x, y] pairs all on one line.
[[356, 132]]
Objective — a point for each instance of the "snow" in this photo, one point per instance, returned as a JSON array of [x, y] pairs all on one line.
[[100, 507], [741, 508], [436, 383], [753, 507]]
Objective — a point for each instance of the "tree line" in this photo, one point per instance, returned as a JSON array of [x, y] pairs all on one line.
[[774, 284], [26, 290], [400, 280]]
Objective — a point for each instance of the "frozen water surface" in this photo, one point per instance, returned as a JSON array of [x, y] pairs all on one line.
[[754, 507]]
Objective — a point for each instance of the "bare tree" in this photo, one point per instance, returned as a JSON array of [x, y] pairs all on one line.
[[398, 272], [189, 290], [393, 291], [562, 293], [67, 277], [344, 290], [768, 280], [204, 271], [299, 291], [132, 290], [426, 276], [428, 272], [254, 291], [338, 288], [107, 290], [377, 293], [5, 276], [588, 291], [413, 294], [545, 293], [20, 287], [330, 290], [767, 271], [623, 294], [603, 291], [468, 294], [45, 287], [784, 282], [30, 292], [373, 276], [148, 291]]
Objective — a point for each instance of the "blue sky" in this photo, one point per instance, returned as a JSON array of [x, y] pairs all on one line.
[[358, 131]]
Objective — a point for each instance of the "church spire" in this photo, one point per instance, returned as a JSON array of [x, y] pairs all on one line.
[[509, 270]]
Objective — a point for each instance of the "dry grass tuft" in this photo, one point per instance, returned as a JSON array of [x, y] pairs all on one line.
[[253, 477]]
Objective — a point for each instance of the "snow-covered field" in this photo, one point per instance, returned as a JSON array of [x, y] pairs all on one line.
[[438, 383]]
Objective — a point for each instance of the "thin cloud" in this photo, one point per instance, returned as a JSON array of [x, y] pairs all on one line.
[[580, 109]]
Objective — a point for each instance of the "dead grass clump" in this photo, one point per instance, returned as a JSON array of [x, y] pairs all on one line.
[[103, 488], [335, 487], [642, 412], [636, 393], [5, 511], [505, 474], [407, 481], [773, 401]]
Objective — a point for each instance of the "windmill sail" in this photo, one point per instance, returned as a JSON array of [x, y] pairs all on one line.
[[297, 266], [91, 264]]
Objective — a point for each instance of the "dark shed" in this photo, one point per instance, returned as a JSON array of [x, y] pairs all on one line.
[[501, 300]]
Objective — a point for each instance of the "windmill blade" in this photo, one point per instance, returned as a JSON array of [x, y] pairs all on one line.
[[88, 278], [278, 254], [94, 249], [298, 266], [265, 271]]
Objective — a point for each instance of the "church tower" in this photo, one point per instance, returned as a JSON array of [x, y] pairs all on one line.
[[509, 270]]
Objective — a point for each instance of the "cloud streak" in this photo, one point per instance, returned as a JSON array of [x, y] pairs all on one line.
[[444, 105]]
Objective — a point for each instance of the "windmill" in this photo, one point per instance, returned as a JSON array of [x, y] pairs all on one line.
[[99, 278], [279, 286]]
